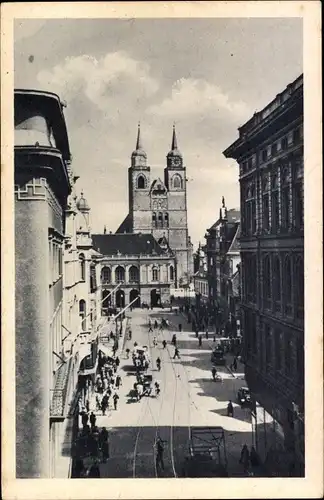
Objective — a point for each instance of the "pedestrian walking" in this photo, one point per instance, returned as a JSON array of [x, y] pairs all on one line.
[[115, 399], [159, 453], [84, 418], [87, 405], [130, 334], [230, 409], [180, 327], [157, 388], [197, 332], [93, 419], [164, 344], [118, 381], [117, 361], [207, 333], [150, 328], [158, 364], [114, 367], [127, 353], [176, 353], [104, 404], [156, 324], [155, 342], [235, 364], [214, 372], [245, 458], [200, 340]]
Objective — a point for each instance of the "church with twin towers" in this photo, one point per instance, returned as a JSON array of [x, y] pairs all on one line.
[[159, 206]]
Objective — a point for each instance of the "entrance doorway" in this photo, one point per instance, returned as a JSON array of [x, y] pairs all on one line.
[[155, 298], [120, 298], [133, 294]]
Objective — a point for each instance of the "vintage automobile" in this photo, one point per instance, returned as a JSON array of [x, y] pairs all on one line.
[[218, 356], [244, 397]]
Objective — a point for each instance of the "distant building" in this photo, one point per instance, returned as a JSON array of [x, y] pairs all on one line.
[[42, 186], [201, 281], [223, 257], [269, 151], [159, 207], [144, 269]]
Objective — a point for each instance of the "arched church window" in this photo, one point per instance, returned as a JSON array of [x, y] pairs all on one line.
[[166, 219], [141, 182], [177, 182], [171, 273], [160, 219], [154, 218], [82, 266]]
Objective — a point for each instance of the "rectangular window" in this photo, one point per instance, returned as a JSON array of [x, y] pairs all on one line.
[[297, 135], [264, 155], [285, 202], [274, 211], [265, 212], [284, 143], [274, 148]]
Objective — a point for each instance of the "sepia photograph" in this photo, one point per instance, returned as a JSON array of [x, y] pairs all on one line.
[[159, 267]]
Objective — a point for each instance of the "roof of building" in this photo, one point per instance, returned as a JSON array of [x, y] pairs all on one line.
[[126, 225], [233, 216], [49, 105], [174, 145], [82, 204], [235, 245], [139, 151], [126, 244]]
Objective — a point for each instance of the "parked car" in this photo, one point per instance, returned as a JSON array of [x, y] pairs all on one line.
[[244, 397]]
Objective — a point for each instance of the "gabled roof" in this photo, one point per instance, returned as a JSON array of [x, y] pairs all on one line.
[[233, 216], [126, 244], [158, 185], [235, 245], [126, 225]]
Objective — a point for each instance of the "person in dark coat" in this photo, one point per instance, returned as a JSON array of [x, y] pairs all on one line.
[[85, 418], [214, 371], [230, 409], [176, 353], [93, 419], [245, 458], [115, 399], [200, 340], [164, 344], [104, 404], [117, 361], [118, 381]]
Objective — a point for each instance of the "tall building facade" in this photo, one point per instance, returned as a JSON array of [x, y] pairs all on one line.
[[159, 206], [222, 261], [42, 187], [269, 152]]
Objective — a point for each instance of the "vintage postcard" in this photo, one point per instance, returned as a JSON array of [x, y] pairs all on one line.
[[161, 250]]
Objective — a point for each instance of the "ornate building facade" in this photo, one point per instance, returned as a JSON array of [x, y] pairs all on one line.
[[269, 152], [159, 207], [142, 269]]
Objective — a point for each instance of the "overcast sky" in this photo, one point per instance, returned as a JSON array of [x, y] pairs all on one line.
[[206, 75]]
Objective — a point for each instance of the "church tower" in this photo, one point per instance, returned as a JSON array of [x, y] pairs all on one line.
[[139, 188], [175, 182]]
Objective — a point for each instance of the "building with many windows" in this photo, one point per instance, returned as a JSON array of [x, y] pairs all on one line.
[[223, 257], [269, 152], [42, 186], [159, 207], [142, 267]]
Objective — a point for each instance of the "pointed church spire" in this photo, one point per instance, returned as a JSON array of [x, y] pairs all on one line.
[[139, 141], [174, 145]]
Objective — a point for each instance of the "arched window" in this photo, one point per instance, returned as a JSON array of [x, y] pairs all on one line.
[[141, 182], [155, 274], [177, 182], [160, 219], [276, 283], [285, 199], [82, 314], [300, 287], [119, 274], [287, 284], [82, 266], [105, 275], [265, 203], [171, 273], [166, 219], [266, 282], [133, 274], [154, 219]]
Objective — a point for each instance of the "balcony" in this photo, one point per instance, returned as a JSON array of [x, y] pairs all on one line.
[[58, 395]]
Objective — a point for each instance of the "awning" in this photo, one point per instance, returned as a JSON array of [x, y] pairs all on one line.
[[85, 352], [106, 350]]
